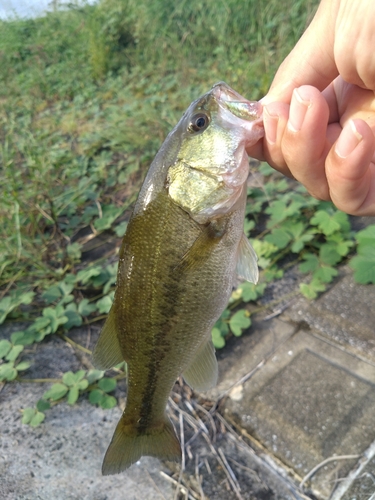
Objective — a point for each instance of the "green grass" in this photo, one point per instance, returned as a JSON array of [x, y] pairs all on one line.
[[87, 97]]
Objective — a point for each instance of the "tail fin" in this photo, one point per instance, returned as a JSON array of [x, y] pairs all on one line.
[[127, 447]]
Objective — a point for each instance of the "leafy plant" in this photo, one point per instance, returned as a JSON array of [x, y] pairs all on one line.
[[363, 263], [87, 96]]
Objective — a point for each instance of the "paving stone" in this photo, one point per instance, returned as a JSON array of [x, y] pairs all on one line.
[[310, 401], [345, 313]]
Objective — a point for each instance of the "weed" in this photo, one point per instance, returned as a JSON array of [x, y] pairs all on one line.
[[87, 95]]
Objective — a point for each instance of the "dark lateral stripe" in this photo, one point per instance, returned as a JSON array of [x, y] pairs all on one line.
[[168, 308]]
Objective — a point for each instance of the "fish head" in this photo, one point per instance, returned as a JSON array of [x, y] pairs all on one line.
[[211, 165]]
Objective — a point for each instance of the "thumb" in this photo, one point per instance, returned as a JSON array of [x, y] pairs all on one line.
[[311, 62]]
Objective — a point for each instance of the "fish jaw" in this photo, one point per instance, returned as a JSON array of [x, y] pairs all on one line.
[[249, 112]]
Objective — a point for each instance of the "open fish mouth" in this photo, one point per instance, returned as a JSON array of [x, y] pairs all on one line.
[[236, 104]]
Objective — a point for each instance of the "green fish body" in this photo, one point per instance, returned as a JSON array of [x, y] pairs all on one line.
[[182, 252]]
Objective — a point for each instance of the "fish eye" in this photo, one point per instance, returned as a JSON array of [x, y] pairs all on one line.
[[199, 122]]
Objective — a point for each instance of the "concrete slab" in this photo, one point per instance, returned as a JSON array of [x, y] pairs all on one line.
[[61, 460], [345, 314], [243, 354], [310, 401]]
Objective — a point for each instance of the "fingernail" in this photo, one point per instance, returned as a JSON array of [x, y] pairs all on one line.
[[298, 109], [270, 125], [348, 140]]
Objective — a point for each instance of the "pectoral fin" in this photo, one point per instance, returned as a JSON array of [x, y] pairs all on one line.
[[107, 352], [202, 247], [247, 267], [203, 372]]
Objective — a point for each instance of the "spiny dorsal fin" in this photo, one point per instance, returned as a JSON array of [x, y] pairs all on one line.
[[203, 372], [247, 267], [107, 352]]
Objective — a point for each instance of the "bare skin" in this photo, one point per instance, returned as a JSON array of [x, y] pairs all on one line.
[[319, 114]]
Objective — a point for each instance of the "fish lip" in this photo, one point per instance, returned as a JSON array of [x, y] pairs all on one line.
[[234, 102]]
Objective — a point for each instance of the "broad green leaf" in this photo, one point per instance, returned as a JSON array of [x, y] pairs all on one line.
[[82, 384], [14, 353], [52, 294], [39, 324], [343, 247], [85, 308], [264, 248], [325, 222], [272, 273], [57, 391], [250, 291], [120, 229], [110, 214], [300, 242], [66, 286], [107, 384], [312, 289], [5, 347], [7, 371], [277, 211], [96, 396], [311, 263], [86, 274], [279, 238], [239, 321], [366, 237], [325, 274], [94, 375], [37, 419], [364, 265], [329, 255], [23, 338], [6, 307], [343, 220], [217, 338], [43, 405], [10, 302], [74, 319], [56, 317], [69, 378], [72, 395], [104, 304], [108, 402], [27, 415], [24, 365], [294, 228]]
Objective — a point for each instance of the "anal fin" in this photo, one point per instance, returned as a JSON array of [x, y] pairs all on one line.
[[202, 374], [247, 267], [107, 352]]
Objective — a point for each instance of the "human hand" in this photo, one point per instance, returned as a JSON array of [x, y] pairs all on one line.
[[325, 138]]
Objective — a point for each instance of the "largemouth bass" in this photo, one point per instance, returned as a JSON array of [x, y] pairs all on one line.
[[181, 255]]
